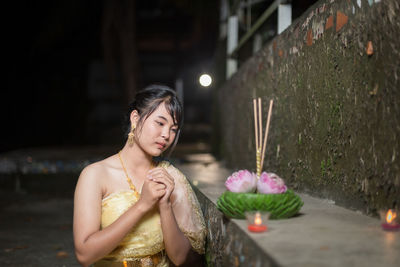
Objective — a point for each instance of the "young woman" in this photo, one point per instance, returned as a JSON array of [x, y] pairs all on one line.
[[130, 210]]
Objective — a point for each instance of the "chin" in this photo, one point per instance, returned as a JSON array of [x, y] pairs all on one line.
[[156, 153]]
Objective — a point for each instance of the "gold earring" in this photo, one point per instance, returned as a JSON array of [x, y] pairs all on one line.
[[131, 135]]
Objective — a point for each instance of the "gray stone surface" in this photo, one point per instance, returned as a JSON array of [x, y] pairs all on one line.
[[323, 234], [36, 230], [36, 227]]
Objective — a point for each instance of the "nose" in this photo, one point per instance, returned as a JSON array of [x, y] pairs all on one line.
[[165, 134]]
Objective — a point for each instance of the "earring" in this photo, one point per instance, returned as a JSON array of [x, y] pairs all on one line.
[[131, 135]]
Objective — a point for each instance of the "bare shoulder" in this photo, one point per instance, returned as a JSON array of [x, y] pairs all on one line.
[[92, 170], [97, 172]]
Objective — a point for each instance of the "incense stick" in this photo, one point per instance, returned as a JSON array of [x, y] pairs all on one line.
[[271, 102], [255, 122], [260, 123], [258, 132], [258, 126]]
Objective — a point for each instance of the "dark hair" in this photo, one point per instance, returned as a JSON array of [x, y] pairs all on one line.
[[147, 101]]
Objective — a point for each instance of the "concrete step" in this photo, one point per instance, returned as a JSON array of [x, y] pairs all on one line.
[[323, 234]]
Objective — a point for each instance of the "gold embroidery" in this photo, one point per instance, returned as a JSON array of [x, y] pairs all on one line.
[[157, 260], [196, 239], [146, 238]]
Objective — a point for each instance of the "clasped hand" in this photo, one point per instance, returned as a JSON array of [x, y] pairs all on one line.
[[158, 186]]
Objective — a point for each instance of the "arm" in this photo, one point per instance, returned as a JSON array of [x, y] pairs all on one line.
[[91, 243], [176, 244]]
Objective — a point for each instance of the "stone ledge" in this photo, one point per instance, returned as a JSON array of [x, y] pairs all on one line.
[[322, 235]]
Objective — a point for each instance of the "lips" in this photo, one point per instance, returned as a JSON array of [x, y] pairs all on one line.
[[161, 145]]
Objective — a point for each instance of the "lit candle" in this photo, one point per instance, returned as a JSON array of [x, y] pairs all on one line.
[[256, 224], [390, 221]]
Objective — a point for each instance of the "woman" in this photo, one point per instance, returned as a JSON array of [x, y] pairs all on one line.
[[130, 210]]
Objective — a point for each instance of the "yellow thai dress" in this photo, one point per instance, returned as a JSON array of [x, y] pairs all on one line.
[[144, 246]]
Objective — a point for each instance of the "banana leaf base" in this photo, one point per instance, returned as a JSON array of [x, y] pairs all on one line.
[[280, 206]]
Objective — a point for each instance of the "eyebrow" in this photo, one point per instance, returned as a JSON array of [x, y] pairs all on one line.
[[162, 117]]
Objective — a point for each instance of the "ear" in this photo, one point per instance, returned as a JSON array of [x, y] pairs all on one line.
[[134, 117]]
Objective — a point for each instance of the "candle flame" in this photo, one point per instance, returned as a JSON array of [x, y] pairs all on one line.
[[125, 264], [257, 219], [390, 216]]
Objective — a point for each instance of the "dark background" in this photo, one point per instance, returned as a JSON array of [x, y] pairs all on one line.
[[72, 66]]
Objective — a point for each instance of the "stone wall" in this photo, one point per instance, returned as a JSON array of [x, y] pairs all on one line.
[[334, 75], [226, 243]]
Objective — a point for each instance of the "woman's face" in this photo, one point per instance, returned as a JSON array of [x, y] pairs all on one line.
[[157, 133]]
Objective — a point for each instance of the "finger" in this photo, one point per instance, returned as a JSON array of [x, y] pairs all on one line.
[[155, 170], [167, 195], [164, 182], [152, 175], [156, 186], [161, 175], [159, 186], [160, 193], [160, 178], [160, 172]]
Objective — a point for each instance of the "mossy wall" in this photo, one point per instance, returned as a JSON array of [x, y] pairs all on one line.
[[335, 127]]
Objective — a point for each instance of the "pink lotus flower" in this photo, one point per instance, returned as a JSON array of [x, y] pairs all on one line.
[[242, 181], [270, 183]]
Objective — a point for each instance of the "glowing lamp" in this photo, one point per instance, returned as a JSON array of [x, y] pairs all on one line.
[[257, 221], [390, 220], [205, 80]]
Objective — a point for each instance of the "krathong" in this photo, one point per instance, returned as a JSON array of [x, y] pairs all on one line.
[[242, 181], [270, 183], [260, 191]]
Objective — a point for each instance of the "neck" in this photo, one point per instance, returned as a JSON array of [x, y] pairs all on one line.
[[136, 158]]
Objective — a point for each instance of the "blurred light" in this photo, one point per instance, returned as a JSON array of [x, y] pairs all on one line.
[[205, 80]]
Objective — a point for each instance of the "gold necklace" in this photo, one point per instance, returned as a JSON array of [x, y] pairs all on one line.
[[131, 185]]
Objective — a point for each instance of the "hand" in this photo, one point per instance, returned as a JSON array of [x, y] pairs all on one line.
[[151, 193], [161, 176]]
